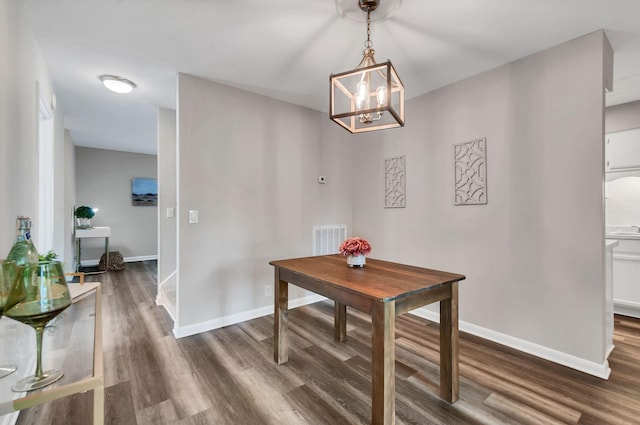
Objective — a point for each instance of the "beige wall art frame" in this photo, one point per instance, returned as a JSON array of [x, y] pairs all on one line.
[[470, 172], [395, 182]]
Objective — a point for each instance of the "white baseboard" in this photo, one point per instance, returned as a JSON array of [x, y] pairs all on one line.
[[162, 301], [9, 418], [95, 262], [592, 368], [160, 297], [182, 331], [626, 308]]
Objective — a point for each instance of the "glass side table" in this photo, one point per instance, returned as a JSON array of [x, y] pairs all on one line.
[[72, 343]]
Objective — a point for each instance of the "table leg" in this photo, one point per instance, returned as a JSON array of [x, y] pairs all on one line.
[[340, 322], [280, 318], [449, 389], [98, 405], [79, 262], [106, 254], [383, 398]]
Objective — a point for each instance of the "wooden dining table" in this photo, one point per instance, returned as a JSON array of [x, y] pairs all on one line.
[[384, 290]]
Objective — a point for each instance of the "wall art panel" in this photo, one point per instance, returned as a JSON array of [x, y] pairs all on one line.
[[394, 182], [470, 165]]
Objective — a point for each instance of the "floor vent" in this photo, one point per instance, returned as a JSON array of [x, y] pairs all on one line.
[[327, 238]]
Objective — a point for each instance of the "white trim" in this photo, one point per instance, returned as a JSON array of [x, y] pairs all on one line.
[[94, 262], [161, 298], [609, 351], [178, 204], [140, 258], [9, 418], [180, 332], [592, 368], [626, 308], [626, 303], [164, 302], [167, 279], [626, 256]]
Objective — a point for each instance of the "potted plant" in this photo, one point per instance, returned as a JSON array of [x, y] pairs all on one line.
[[84, 215]]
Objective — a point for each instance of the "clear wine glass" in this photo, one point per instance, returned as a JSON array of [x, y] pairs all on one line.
[[41, 295], [8, 274]]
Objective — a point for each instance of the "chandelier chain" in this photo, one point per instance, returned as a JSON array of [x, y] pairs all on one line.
[[368, 43]]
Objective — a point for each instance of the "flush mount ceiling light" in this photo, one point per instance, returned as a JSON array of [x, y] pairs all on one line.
[[371, 96], [117, 84]]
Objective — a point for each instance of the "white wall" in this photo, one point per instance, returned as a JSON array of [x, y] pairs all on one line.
[[249, 164], [533, 256], [103, 180], [21, 66], [68, 219]]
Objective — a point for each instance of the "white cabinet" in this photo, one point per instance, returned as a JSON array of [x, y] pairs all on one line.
[[622, 150], [626, 277]]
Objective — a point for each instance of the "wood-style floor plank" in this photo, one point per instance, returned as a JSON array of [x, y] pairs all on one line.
[[228, 376]]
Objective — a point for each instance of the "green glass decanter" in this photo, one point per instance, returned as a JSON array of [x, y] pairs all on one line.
[[23, 252]]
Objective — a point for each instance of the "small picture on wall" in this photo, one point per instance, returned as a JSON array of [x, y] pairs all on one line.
[[470, 175], [144, 192]]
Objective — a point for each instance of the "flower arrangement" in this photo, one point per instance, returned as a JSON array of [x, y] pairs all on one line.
[[355, 246]]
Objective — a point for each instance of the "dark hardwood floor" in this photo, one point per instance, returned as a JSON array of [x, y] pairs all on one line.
[[228, 376]]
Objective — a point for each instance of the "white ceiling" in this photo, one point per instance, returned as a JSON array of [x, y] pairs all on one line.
[[287, 49]]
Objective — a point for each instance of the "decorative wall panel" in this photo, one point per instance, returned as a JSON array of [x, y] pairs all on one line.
[[394, 182], [470, 164]]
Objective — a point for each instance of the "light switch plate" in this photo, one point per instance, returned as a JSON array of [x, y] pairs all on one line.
[[170, 213], [193, 216]]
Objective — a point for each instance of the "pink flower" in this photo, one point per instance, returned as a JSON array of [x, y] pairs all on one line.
[[355, 246]]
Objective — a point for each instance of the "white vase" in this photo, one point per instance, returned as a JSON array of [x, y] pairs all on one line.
[[356, 260], [83, 222]]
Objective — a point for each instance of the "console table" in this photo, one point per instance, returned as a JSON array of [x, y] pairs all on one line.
[[384, 290], [72, 343], [93, 232]]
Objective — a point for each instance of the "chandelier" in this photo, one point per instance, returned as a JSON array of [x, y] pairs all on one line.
[[371, 96]]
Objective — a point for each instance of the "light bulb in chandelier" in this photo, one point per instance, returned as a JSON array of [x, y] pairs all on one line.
[[362, 95], [381, 94]]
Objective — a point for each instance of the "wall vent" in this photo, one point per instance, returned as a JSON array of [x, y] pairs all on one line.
[[328, 237]]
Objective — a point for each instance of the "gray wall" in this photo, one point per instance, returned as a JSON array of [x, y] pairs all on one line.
[[623, 117], [103, 180], [533, 256], [249, 164], [167, 228]]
